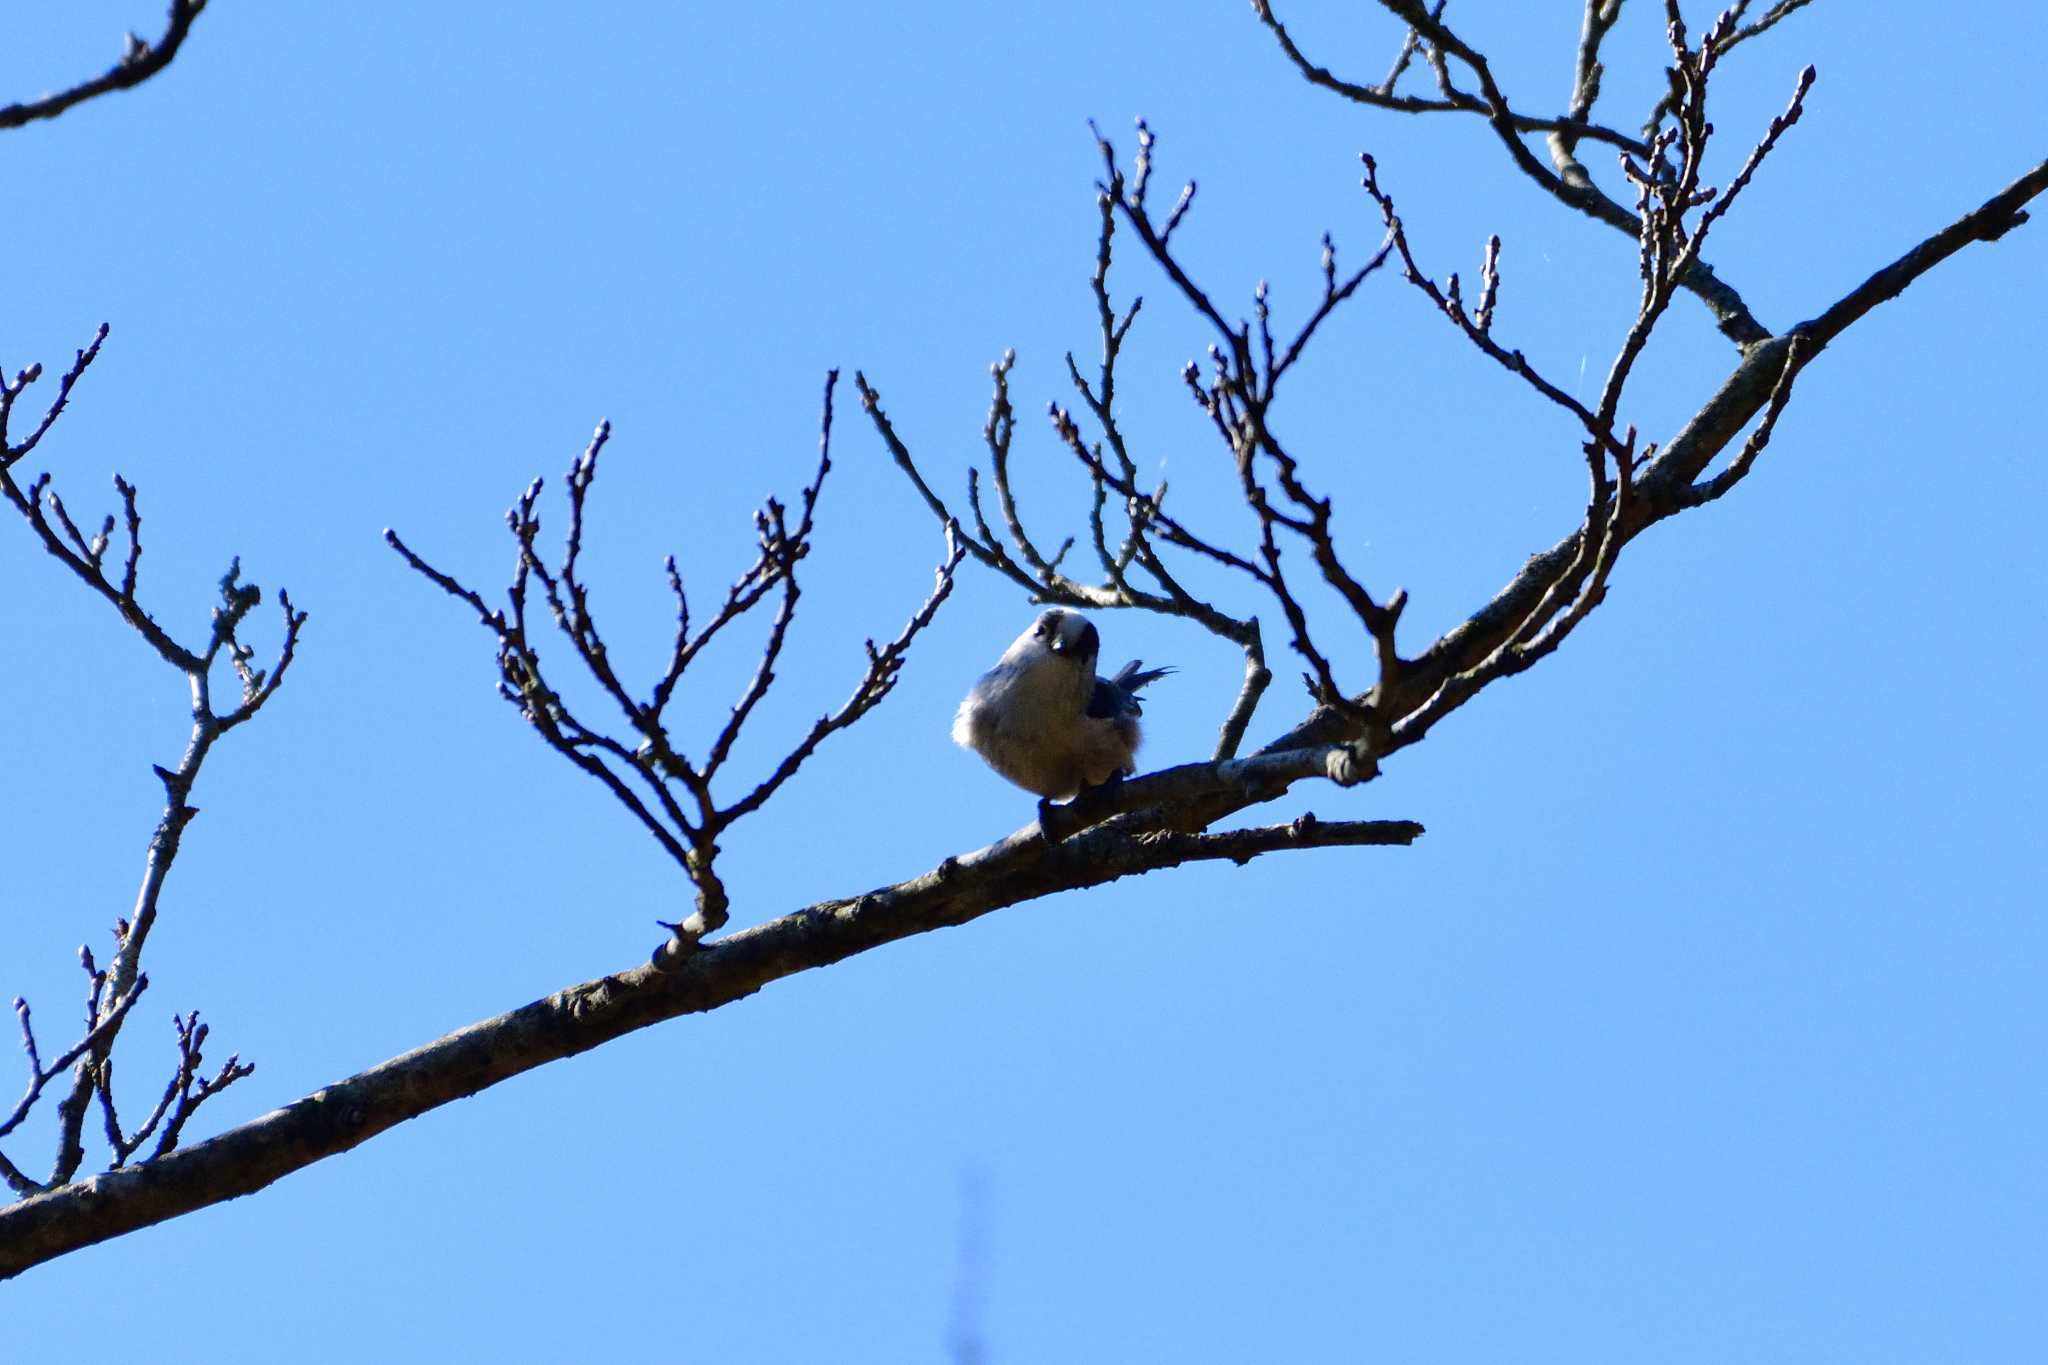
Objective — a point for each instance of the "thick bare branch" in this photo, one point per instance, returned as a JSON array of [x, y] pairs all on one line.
[[343, 1115]]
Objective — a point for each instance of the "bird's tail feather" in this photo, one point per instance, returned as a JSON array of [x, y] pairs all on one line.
[[1134, 675]]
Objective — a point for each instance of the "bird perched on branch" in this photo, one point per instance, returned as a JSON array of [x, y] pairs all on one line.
[[1043, 719]]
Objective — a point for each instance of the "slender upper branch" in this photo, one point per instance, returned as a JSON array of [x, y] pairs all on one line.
[[1574, 125], [1988, 222], [113, 991], [1565, 180], [138, 63]]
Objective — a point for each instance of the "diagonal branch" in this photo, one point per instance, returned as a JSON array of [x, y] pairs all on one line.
[[338, 1117], [138, 63], [1666, 485], [1988, 222]]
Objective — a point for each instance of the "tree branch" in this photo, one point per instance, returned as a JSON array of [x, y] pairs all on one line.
[[113, 992], [647, 772], [343, 1115], [138, 63], [1988, 222], [1149, 823], [1574, 125], [1666, 485], [1566, 181]]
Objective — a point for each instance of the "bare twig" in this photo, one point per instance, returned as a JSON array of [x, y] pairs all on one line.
[[883, 666], [12, 450], [1410, 42], [1734, 32], [1111, 469], [1451, 305], [1237, 399], [106, 1022], [188, 1089], [1382, 96], [1566, 180], [38, 504], [1587, 73], [1666, 195], [662, 788], [1796, 356], [113, 992]]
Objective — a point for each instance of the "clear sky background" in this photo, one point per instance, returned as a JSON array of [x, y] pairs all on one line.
[[1705, 1024]]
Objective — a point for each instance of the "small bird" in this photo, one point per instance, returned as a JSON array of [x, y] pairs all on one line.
[[1044, 720]]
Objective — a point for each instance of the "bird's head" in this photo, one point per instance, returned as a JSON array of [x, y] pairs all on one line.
[[1066, 636]]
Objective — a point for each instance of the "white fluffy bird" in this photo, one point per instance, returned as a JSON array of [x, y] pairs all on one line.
[[1043, 719]]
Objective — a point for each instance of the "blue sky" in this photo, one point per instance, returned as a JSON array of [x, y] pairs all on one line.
[[1704, 1023]]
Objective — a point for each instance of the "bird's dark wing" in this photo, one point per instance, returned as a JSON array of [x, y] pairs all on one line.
[[1109, 701]]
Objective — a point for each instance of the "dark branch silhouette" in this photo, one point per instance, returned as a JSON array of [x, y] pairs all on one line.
[[113, 990], [669, 794], [139, 61]]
